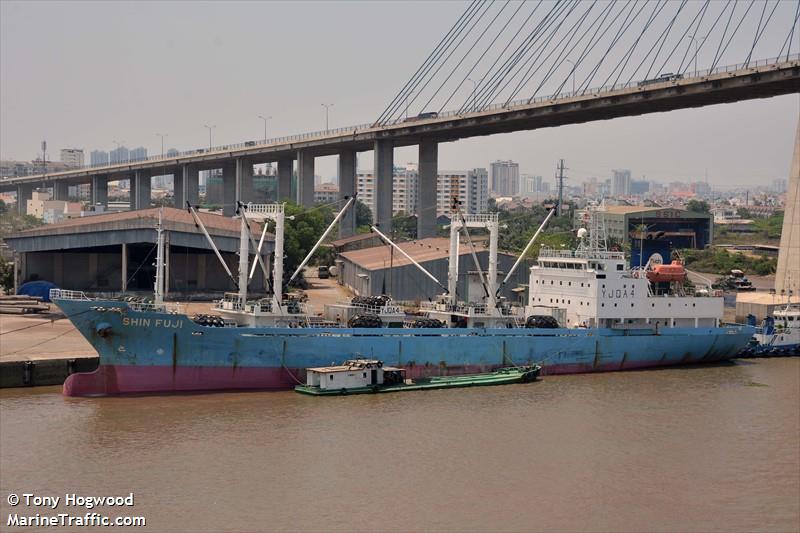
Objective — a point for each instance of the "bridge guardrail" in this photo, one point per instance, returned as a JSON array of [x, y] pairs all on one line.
[[362, 128]]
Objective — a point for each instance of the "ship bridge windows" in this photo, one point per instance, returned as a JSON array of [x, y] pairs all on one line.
[[620, 266]]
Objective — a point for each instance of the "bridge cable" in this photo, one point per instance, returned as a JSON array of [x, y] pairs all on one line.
[[760, 30], [623, 63], [486, 94], [626, 24], [739, 25], [444, 39], [403, 98], [666, 33], [790, 37], [529, 52], [661, 39], [477, 62], [418, 92], [725, 32], [693, 37], [561, 58], [590, 46], [469, 50], [705, 39]]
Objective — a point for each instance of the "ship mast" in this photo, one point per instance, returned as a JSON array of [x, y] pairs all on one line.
[[159, 285]]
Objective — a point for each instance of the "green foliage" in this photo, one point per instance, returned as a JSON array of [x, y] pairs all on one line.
[[302, 233], [523, 223], [363, 214], [721, 262], [770, 227], [3, 207], [698, 206], [6, 275], [404, 227]]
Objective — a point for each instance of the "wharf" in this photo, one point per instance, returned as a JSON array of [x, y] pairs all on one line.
[[41, 349]]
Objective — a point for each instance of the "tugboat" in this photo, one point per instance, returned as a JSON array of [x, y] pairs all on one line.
[[779, 335], [368, 376]]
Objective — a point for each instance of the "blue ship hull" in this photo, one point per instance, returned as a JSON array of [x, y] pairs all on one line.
[[159, 352]]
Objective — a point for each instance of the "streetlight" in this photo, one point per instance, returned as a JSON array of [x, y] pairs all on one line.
[[209, 133], [265, 119], [162, 135], [327, 107], [474, 91], [694, 40], [574, 66]]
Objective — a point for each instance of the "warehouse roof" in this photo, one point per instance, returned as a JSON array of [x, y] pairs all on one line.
[[422, 250], [658, 212], [130, 227]]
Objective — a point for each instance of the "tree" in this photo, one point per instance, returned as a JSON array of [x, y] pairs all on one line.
[[698, 206], [3, 207], [301, 234], [404, 226], [363, 214]]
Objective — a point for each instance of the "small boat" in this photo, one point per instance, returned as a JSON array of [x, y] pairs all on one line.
[[368, 376]]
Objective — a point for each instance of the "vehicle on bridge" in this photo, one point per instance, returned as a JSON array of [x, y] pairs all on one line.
[[668, 76]]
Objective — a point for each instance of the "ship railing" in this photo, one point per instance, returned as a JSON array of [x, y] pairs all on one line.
[[171, 307], [467, 309], [65, 294], [580, 254]]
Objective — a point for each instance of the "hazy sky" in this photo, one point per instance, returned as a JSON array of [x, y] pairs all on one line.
[[82, 74]]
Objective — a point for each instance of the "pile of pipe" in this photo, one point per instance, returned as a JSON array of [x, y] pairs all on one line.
[[541, 321], [212, 321], [371, 301], [424, 323], [365, 321]]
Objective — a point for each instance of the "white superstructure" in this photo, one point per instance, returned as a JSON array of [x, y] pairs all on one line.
[[594, 287]]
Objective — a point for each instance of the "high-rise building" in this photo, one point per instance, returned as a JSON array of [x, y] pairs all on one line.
[[530, 186], [119, 155], [640, 187], [621, 182], [137, 154], [504, 178], [469, 187], [779, 186], [326, 193], [72, 157], [172, 152], [98, 157]]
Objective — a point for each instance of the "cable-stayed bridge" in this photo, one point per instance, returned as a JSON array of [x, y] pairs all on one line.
[[504, 67]]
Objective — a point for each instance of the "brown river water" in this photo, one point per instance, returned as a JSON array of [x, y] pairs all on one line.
[[711, 448]]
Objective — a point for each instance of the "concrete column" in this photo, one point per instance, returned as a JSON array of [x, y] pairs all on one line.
[[787, 277], [426, 202], [229, 188], [100, 190], [244, 180], [141, 193], [24, 193], [191, 184], [178, 188], [305, 178], [384, 172], [60, 190], [347, 187], [285, 171], [124, 283]]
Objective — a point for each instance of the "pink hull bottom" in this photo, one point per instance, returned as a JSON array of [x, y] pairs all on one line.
[[126, 379]]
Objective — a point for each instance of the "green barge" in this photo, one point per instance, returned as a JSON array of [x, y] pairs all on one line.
[[369, 376]]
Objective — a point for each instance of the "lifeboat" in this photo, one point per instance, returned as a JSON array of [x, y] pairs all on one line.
[[667, 273]]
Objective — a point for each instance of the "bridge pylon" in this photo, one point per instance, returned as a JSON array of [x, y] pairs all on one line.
[[787, 278]]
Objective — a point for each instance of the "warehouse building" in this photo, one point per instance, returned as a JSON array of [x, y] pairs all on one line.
[[661, 230], [383, 270], [115, 252]]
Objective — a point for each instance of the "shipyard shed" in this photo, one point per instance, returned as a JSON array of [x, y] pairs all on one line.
[[115, 252], [383, 270]]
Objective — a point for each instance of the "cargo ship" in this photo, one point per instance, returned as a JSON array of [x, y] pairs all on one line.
[[587, 311]]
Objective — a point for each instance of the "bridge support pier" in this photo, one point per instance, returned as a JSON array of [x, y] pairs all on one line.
[[787, 278], [24, 193], [229, 188], [426, 202], [347, 187], [384, 175], [100, 190], [60, 190], [140, 190], [244, 180], [178, 188], [305, 178], [186, 185], [285, 172]]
